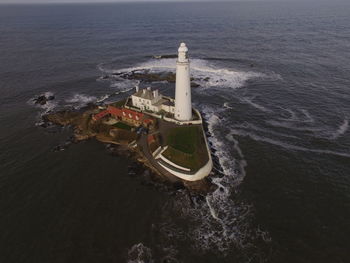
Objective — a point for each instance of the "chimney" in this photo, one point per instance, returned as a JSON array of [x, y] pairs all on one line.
[[155, 93], [137, 88], [144, 91]]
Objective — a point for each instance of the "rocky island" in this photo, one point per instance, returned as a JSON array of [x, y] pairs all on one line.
[[165, 134]]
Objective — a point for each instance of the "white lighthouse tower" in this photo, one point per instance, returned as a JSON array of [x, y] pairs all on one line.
[[183, 105]]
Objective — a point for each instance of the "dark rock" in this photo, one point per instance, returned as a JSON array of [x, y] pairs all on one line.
[[165, 56], [178, 185], [62, 117], [194, 85], [42, 99]]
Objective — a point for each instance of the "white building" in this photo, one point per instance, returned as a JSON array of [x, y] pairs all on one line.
[[151, 100], [181, 107]]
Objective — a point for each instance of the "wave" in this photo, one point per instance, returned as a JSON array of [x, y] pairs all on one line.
[[139, 253], [294, 126], [307, 115], [227, 106], [103, 98], [341, 129], [224, 221], [49, 106], [255, 105], [293, 116], [250, 126], [165, 56], [283, 144], [307, 125], [206, 74], [80, 100], [213, 120]]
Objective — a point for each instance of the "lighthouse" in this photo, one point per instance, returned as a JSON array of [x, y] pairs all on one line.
[[183, 105]]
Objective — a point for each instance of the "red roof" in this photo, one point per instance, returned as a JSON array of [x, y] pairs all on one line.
[[101, 114], [126, 113]]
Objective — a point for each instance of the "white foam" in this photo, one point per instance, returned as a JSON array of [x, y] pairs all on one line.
[[139, 253], [307, 115], [103, 98], [49, 106], [227, 106], [80, 100], [283, 144], [250, 126], [222, 223], [212, 119], [306, 118], [200, 70], [294, 126], [341, 129], [255, 105]]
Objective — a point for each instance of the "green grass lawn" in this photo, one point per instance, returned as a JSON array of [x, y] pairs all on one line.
[[123, 126], [185, 139], [186, 147]]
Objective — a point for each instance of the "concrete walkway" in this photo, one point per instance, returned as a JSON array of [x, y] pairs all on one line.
[[143, 146], [163, 127]]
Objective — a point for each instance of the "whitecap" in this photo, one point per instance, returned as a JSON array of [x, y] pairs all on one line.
[[255, 105], [139, 253], [222, 223], [294, 126], [227, 106], [80, 100], [206, 74], [49, 106], [341, 129], [250, 126], [284, 144]]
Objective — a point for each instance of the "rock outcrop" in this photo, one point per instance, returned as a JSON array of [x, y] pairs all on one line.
[[43, 99]]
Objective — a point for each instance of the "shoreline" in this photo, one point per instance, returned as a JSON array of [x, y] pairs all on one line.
[[84, 129]]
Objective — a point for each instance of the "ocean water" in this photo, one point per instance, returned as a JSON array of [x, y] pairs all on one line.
[[277, 105]]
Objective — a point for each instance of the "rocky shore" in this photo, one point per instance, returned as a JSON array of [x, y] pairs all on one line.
[[149, 77], [121, 141]]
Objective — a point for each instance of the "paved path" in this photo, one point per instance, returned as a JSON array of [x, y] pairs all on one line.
[[142, 143]]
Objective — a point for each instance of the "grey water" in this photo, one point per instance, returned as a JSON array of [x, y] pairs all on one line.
[[277, 105]]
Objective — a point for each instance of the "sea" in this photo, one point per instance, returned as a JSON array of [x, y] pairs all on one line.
[[274, 90]]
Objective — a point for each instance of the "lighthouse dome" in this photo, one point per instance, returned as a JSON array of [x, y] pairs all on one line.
[[183, 47]]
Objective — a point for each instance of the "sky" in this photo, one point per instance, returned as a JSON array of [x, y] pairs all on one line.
[[104, 1], [89, 1], [96, 1]]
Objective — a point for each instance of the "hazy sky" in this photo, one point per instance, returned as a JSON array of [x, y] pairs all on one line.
[[103, 1], [70, 1], [96, 1], [92, 1]]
